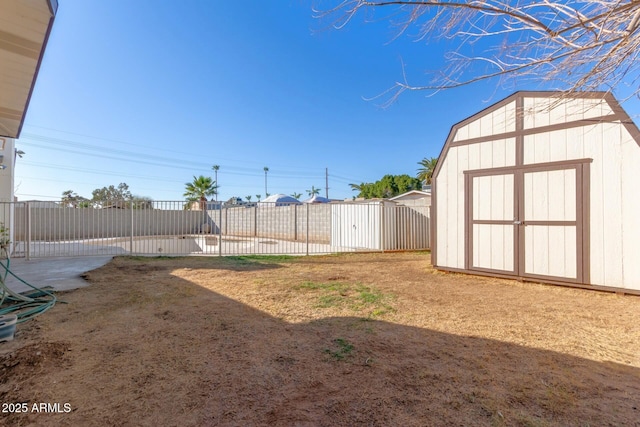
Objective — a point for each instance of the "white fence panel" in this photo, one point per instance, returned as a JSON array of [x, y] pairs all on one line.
[[47, 229]]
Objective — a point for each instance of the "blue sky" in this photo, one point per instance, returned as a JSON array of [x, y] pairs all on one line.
[[152, 93]]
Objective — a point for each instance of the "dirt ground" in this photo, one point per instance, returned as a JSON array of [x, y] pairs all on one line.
[[354, 339]]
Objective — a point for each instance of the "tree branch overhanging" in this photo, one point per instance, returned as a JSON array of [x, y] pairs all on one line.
[[571, 45]]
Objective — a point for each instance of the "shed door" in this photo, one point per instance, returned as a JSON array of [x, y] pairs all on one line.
[[551, 225], [490, 221], [528, 221]]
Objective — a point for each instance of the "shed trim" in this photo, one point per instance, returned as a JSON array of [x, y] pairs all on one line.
[[549, 282], [519, 221], [531, 167], [521, 133]]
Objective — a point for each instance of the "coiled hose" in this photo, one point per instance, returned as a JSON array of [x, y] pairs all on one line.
[[24, 306]]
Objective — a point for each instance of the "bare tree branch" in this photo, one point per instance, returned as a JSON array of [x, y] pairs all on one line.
[[572, 45]]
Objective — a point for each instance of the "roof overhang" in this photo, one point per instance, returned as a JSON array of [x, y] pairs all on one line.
[[25, 26]]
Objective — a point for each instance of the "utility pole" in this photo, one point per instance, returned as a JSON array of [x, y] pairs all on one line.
[[215, 169], [326, 182], [266, 169]]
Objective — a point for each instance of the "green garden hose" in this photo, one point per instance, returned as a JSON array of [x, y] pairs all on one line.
[[25, 307]]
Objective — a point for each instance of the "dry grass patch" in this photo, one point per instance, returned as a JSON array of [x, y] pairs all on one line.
[[357, 339]]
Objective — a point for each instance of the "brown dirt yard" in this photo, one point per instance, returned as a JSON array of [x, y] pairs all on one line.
[[342, 340]]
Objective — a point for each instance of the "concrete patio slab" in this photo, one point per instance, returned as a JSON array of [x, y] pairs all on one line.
[[61, 274]]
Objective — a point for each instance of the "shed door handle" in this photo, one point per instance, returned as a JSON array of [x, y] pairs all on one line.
[[517, 222]]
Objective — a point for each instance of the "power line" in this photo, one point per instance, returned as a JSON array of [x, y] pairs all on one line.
[[133, 157], [153, 148]]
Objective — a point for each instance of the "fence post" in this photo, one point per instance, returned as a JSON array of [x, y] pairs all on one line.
[[220, 232], [429, 234], [307, 233], [255, 220], [28, 237], [295, 222], [382, 227], [131, 234]]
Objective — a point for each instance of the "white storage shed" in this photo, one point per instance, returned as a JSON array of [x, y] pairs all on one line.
[[542, 187], [368, 225]]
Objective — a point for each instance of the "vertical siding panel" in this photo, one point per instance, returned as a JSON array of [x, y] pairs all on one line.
[[510, 152], [461, 165], [484, 197], [529, 149], [575, 110], [474, 156], [612, 226], [571, 261], [497, 197], [474, 129], [594, 108], [442, 213], [605, 108], [486, 125], [542, 113], [486, 155], [509, 205], [630, 211], [543, 147], [498, 120], [475, 210], [574, 143], [497, 248], [485, 244], [499, 154], [558, 114], [528, 105], [476, 246], [593, 148], [510, 117], [558, 145], [462, 134]]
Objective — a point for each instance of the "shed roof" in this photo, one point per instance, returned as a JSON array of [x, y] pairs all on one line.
[[618, 115], [24, 30], [411, 193]]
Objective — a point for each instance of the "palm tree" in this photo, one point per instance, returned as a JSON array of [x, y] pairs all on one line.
[[248, 198], [296, 195], [313, 191], [357, 187], [258, 197], [216, 168], [425, 172], [266, 169], [199, 189]]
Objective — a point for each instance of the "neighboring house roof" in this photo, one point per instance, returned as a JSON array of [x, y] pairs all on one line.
[[413, 194], [24, 31], [280, 199], [316, 199]]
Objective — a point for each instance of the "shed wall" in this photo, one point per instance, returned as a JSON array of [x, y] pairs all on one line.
[[450, 229], [589, 128]]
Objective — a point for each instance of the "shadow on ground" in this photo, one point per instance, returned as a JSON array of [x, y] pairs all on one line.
[[144, 347]]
